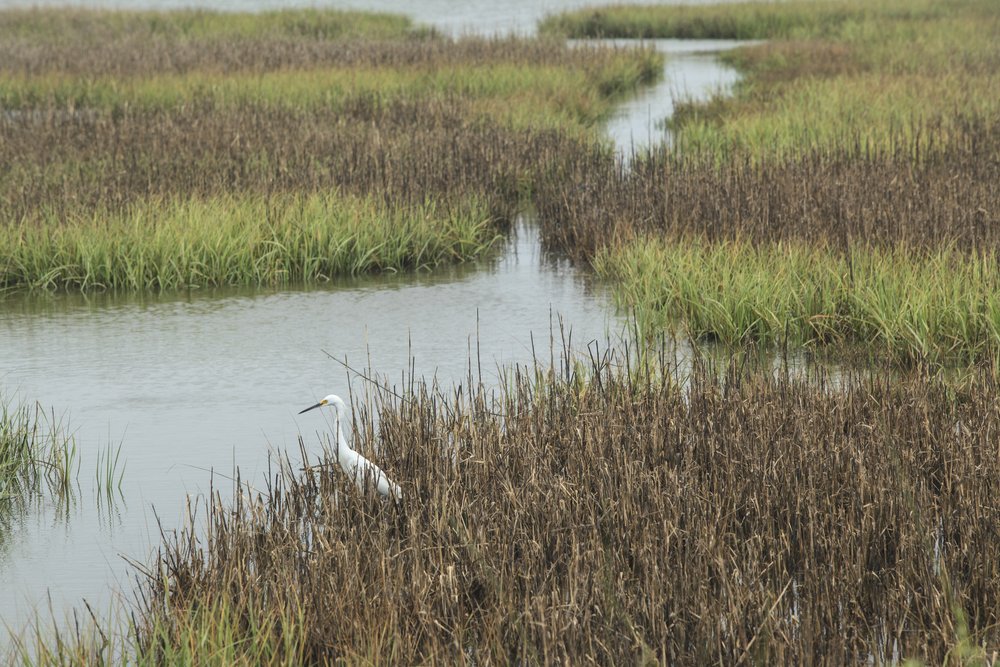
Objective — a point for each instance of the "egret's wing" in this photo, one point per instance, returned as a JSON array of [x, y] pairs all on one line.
[[365, 473], [387, 487], [384, 485]]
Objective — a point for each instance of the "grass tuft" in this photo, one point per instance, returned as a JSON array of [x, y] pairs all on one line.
[[35, 455]]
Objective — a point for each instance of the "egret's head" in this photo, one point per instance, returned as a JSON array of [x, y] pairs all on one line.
[[332, 400]]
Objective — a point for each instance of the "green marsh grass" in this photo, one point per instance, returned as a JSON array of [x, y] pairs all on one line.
[[35, 454], [568, 93], [784, 19], [110, 472], [910, 306], [55, 27], [230, 240]]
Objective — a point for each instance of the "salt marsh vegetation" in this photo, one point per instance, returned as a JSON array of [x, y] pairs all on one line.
[[606, 509]]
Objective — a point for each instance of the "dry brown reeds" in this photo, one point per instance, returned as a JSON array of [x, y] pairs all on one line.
[[617, 519], [404, 152], [931, 191]]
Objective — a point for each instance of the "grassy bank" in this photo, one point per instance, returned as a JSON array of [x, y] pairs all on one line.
[[860, 149], [886, 250], [239, 240], [113, 119], [612, 517], [908, 306]]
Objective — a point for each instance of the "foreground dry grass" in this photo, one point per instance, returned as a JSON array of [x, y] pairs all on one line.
[[617, 520]]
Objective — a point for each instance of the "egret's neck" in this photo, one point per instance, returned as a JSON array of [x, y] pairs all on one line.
[[343, 448]]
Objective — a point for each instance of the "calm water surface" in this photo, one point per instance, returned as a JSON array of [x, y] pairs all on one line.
[[212, 379]]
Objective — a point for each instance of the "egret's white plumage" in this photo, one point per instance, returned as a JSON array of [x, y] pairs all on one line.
[[354, 465]]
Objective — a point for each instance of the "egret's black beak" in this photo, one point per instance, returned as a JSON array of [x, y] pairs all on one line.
[[318, 405]]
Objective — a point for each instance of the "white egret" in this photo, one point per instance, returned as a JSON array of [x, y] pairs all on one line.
[[356, 466]]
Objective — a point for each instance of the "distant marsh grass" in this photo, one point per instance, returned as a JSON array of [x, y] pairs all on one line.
[[577, 95], [154, 60], [141, 150], [834, 70], [787, 19], [55, 26], [820, 114], [239, 240], [846, 193]]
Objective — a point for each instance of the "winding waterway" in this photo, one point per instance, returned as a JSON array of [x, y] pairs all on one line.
[[209, 380]]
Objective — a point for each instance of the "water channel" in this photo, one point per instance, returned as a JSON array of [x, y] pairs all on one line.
[[208, 380]]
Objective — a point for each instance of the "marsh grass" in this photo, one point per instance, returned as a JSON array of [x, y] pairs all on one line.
[[407, 153], [608, 512], [906, 305], [930, 192], [55, 27], [745, 20], [229, 240], [160, 165], [571, 93], [35, 455], [110, 473], [890, 250], [845, 193], [831, 70]]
